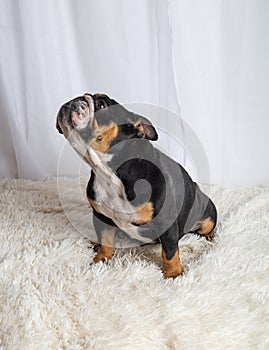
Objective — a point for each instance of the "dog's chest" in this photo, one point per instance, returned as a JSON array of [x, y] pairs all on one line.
[[107, 196], [109, 203]]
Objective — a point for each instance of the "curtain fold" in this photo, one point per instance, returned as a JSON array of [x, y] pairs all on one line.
[[208, 62]]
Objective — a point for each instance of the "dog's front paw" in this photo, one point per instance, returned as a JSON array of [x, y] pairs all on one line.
[[104, 253], [171, 267], [172, 273]]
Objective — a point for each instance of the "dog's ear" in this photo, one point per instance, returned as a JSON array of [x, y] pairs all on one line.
[[58, 127], [146, 129], [61, 116], [149, 131]]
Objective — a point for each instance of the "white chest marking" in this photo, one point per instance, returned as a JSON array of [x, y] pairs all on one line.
[[111, 197], [116, 207]]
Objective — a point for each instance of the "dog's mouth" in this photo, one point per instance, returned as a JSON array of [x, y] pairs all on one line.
[[77, 114]]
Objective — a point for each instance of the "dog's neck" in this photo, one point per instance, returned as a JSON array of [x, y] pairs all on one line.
[[127, 150]]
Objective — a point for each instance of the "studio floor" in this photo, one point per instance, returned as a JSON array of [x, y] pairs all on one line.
[[52, 297]]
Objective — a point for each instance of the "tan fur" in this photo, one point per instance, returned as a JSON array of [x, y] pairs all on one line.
[[103, 137], [204, 228], [107, 245], [171, 268], [144, 213], [93, 204], [99, 95]]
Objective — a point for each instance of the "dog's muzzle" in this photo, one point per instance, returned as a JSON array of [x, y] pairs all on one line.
[[77, 114]]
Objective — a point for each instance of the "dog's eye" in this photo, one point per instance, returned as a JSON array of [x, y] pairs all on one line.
[[101, 104], [99, 138], [129, 128]]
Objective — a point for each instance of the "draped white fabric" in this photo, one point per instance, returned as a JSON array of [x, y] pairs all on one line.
[[207, 61]]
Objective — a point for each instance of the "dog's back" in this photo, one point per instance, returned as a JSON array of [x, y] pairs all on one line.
[[165, 184]]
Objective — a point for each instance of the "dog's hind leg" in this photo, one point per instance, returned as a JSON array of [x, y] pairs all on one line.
[[206, 225], [204, 228]]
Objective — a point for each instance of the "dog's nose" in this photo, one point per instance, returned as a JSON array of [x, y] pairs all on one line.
[[74, 106]]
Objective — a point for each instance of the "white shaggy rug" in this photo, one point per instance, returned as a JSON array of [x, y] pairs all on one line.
[[53, 298]]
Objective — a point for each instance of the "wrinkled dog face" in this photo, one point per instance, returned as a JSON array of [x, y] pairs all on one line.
[[99, 120], [77, 115]]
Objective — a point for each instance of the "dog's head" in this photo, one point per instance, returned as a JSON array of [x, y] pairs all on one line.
[[101, 121]]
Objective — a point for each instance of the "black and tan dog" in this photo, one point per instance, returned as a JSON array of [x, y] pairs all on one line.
[[167, 203]]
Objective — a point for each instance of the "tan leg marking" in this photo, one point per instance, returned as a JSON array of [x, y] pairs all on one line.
[[204, 228], [93, 204], [107, 245], [171, 268], [144, 213]]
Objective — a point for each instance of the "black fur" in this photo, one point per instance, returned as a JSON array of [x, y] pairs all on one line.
[[177, 201]]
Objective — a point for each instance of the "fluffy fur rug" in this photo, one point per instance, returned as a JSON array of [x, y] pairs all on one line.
[[53, 298]]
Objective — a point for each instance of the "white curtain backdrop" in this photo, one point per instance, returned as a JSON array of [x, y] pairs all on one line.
[[207, 61]]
